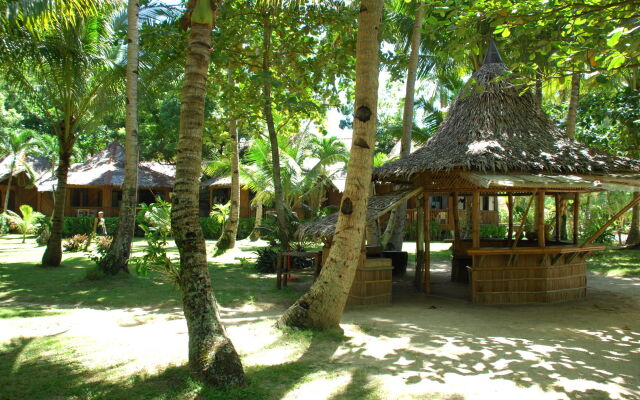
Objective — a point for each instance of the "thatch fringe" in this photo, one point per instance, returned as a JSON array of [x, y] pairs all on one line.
[[378, 205], [494, 126]]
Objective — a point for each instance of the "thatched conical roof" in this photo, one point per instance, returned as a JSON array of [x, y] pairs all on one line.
[[495, 126]]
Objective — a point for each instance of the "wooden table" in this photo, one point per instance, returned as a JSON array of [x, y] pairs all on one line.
[[284, 263]]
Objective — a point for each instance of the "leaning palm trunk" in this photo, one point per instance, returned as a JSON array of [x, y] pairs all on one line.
[[228, 238], [53, 254], [633, 239], [212, 356], [322, 306], [117, 259], [273, 135], [407, 122], [255, 233], [6, 196], [388, 232]]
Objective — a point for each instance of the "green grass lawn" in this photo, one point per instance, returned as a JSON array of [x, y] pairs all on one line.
[[52, 363], [48, 367], [23, 280], [616, 262]]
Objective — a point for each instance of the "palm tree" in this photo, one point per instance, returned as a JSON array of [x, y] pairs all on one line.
[[273, 133], [69, 73], [230, 229], [323, 304], [117, 258], [212, 356], [24, 222], [14, 142]]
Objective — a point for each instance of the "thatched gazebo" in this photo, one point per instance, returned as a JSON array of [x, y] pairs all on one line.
[[496, 140]]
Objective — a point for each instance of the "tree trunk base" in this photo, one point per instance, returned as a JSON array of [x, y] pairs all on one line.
[[221, 367], [226, 242], [114, 262], [52, 256]]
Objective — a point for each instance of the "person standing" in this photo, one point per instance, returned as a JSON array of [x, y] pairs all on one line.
[[99, 225]]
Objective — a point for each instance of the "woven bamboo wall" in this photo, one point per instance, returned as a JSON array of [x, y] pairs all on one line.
[[533, 279], [372, 284]]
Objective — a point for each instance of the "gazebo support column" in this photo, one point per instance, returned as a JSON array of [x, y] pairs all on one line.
[[576, 212], [475, 220], [418, 278], [558, 218], [510, 208], [540, 218], [426, 283], [456, 218]]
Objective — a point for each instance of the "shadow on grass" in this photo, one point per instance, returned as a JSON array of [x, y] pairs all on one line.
[[28, 372], [623, 263], [67, 286]]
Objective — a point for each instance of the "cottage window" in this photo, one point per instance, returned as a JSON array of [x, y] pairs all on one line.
[[220, 196], [488, 203], [439, 202], [116, 198], [79, 197]]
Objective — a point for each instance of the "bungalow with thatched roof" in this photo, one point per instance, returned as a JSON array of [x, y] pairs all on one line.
[[96, 184], [217, 190], [496, 140], [28, 169]]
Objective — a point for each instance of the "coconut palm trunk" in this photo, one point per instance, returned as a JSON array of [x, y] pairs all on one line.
[[572, 118], [212, 356], [572, 113], [53, 253], [273, 135], [633, 239], [228, 238], [8, 193], [407, 121], [117, 259], [255, 234], [322, 306]]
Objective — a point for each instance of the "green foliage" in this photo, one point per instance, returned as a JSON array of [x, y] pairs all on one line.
[[157, 229], [266, 261], [79, 242], [101, 246], [220, 212], [493, 231], [84, 225], [23, 224]]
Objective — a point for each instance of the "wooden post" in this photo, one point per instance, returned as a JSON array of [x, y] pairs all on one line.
[[418, 278], [558, 217], [510, 207], [279, 271], [475, 220], [540, 218], [456, 219], [576, 212], [426, 284]]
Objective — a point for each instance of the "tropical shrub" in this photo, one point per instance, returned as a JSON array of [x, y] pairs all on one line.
[[76, 243], [266, 260], [84, 225], [101, 246], [493, 231], [156, 226], [23, 224]]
